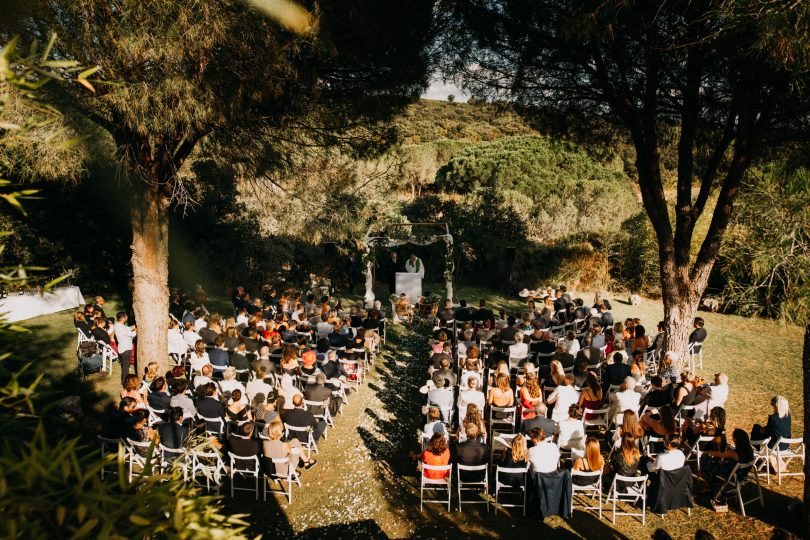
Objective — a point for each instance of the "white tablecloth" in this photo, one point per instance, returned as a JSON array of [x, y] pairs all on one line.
[[410, 284], [19, 307]]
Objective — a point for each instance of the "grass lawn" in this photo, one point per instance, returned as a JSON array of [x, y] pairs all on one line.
[[365, 484]]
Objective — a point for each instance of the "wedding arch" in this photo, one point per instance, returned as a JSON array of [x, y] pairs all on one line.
[[374, 239]]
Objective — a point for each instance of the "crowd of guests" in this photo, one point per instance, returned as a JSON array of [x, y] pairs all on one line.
[[580, 391], [238, 379]]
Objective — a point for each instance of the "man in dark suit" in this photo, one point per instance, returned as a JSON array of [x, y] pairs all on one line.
[[699, 334], [251, 341], [242, 442], [540, 420], [321, 392], [391, 272], [483, 313], [351, 270], [559, 301], [337, 337], [332, 368], [263, 360], [590, 354], [210, 406], [174, 434], [218, 356], [120, 420], [471, 452], [301, 418], [238, 359], [508, 333], [615, 373], [446, 313], [463, 313], [564, 357], [159, 397], [605, 316]]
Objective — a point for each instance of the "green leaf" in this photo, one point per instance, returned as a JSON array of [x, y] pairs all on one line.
[[87, 72]]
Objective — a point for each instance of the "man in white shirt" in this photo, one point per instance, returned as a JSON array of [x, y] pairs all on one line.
[[543, 456], [672, 458], [442, 396], [177, 345], [563, 397], [200, 321], [123, 336], [625, 399], [715, 395], [323, 327]]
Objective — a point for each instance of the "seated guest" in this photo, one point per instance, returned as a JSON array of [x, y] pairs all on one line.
[[332, 368], [630, 424], [338, 337], [686, 390], [519, 349], [229, 383], [210, 405], [530, 394], [132, 387], [625, 399], [714, 395], [238, 359], [718, 463], [81, 324], [273, 447], [218, 356], [571, 344], [591, 396], [120, 420], [183, 400], [778, 424], [264, 408], [190, 335], [571, 431], [562, 398], [289, 362], [472, 451], [563, 356], [591, 461], [442, 396], [237, 412], [176, 375], [242, 443], [445, 372], [199, 357], [698, 335], [656, 396], [589, 353], [516, 457], [626, 460], [661, 424], [299, 417], [436, 454], [204, 377], [615, 373], [158, 399], [174, 433], [671, 458], [543, 456], [638, 370], [309, 362], [264, 360], [434, 423], [669, 372], [501, 395], [288, 391], [262, 384], [474, 416], [320, 392], [539, 421]]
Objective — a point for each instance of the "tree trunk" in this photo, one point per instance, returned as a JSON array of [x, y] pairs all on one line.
[[806, 387], [681, 297], [150, 268]]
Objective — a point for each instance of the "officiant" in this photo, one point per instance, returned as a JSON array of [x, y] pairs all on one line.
[[414, 266]]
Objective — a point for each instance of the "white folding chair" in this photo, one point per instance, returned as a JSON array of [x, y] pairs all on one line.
[[795, 450], [741, 476], [635, 489], [248, 467], [694, 452], [109, 447], [695, 358], [593, 489], [599, 422], [155, 415], [173, 457], [762, 457], [501, 441], [208, 464], [213, 426], [649, 448], [508, 421], [142, 455], [291, 477], [310, 444], [508, 489], [435, 484], [480, 487], [320, 409]]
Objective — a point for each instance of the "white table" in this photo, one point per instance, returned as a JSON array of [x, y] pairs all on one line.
[[410, 284], [19, 307]]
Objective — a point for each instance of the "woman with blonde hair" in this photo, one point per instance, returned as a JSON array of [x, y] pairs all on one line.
[[274, 448], [557, 374], [630, 424], [474, 416], [592, 461], [516, 457], [778, 424]]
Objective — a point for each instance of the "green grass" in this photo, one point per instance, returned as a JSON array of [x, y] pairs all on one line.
[[369, 487]]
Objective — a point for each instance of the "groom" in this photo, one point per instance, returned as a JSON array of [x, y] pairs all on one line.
[[414, 265]]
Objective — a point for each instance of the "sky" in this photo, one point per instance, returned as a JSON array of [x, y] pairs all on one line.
[[440, 89]]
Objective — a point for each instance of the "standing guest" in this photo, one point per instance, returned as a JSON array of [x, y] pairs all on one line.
[[351, 270], [124, 335], [543, 456], [698, 335]]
